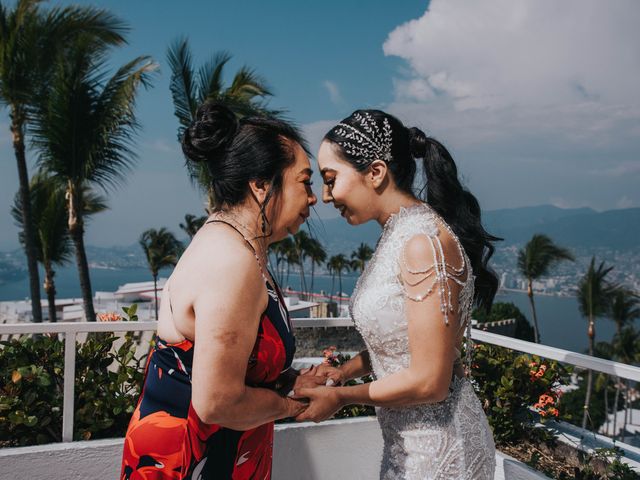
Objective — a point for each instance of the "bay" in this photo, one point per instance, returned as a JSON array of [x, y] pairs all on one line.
[[561, 323]]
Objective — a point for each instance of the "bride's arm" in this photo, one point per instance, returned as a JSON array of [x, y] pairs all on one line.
[[432, 344]]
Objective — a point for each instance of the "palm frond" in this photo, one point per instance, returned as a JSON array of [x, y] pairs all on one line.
[[182, 83], [210, 77]]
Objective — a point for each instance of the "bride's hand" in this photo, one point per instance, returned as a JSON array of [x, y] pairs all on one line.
[[323, 403]]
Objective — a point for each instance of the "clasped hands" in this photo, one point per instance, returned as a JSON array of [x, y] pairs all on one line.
[[315, 394]]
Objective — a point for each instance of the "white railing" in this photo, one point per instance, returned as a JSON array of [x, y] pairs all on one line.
[[72, 329]]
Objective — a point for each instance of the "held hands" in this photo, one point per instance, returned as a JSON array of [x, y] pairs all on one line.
[[323, 400], [323, 403]]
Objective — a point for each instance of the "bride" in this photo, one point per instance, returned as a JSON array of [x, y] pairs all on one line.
[[413, 302]]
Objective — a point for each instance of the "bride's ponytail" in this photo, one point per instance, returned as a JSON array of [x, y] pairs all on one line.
[[459, 208]]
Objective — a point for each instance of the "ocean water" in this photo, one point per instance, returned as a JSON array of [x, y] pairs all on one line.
[[561, 324]]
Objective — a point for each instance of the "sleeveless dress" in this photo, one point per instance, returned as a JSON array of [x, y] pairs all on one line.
[[167, 440], [447, 440]]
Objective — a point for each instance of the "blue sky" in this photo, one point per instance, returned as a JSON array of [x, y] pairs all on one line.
[[536, 100]]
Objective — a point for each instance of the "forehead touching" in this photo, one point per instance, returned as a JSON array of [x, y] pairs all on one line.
[[301, 165], [330, 160]]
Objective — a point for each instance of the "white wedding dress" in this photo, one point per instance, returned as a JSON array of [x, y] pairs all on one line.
[[446, 440]]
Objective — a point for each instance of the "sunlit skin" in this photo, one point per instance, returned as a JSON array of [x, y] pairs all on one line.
[[373, 195], [218, 295]]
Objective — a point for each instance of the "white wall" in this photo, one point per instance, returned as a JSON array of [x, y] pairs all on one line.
[[337, 449]]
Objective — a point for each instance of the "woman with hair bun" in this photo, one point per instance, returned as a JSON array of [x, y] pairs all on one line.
[[413, 302], [220, 372]]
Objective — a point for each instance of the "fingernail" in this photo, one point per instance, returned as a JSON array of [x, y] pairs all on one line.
[[330, 383]]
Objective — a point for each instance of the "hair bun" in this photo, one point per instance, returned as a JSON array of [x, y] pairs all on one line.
[[417, 143], [210, 134]]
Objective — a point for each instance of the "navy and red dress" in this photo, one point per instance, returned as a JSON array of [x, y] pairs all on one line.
[[167, 440]]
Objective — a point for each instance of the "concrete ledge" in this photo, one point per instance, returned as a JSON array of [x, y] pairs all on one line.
[[349, 448]]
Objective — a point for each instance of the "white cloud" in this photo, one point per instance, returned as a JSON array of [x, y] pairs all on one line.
[[334, 92], [532, 97]]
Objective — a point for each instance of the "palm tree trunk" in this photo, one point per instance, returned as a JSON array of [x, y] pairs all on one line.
[[17, 131], [303, 285], [313, 264], [536, 329], [587, 398], [626, 408], [340, 283], [333, 284], [155, 292], [50, 289], [606, 405], [76, 231], [615, 409]]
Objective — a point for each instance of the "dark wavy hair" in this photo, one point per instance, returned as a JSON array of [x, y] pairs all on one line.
[[441, 189], [237, 151]]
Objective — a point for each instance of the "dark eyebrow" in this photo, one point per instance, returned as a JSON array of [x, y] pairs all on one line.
[[308, 171]]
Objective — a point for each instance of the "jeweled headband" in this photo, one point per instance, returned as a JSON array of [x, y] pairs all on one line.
[[367, 143]]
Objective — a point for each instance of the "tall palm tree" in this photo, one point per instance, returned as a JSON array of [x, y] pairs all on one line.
[[594, 300], [279, 250], [535, 260], [53, 244], [302, 244], [83, 132], [292, 256], [162, 250], [624, 311], [192, 224], [317, 255], [360, 257], [29, 40], [338, 264], [191, 86]]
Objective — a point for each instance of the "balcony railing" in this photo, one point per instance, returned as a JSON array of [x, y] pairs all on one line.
[[71, 330]]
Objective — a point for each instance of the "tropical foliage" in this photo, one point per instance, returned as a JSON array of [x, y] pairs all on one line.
[[535, 260], [161, 249]]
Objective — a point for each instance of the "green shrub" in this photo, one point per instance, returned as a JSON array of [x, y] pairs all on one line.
[[516, 390], [107, 385]]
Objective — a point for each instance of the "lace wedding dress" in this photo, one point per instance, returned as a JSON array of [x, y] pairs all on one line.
[[446, 440]]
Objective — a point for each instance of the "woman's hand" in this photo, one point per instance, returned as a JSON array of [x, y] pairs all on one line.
[[333, 376], [294, 407], [308, 381], [323, 403]]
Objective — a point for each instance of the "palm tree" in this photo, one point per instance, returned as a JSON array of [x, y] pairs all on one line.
[[317, 255], [53, 244], [29, 40], [84, 130], [336, 265], [192, 224], [594, 299], [191, 87], [162, 250], [626, 344], [535, 260], [360, 257]]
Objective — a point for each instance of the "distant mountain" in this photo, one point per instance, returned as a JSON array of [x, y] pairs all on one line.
[[576, 227], [583, 227]]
